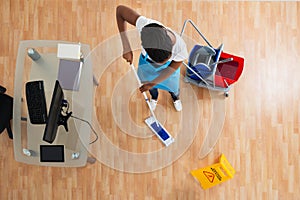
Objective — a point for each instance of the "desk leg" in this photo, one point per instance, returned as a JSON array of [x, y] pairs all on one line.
[[91, 160], [95, 81]]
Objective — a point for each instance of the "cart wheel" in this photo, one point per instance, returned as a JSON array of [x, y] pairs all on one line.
[[226, 94]]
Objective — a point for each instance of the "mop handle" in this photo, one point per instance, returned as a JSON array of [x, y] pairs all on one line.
[[144, 93]]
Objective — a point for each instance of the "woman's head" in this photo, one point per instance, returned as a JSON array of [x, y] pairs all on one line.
[[156, 42]]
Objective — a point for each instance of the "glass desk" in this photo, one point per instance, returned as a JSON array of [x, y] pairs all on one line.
[[30, 136]]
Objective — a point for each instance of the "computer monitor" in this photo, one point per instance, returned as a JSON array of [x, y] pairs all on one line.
[[56, 117]]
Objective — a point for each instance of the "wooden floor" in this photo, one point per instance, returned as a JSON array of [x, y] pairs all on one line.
[[261, 133]]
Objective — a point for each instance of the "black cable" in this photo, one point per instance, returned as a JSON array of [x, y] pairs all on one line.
[[90, 127], [67, 111]]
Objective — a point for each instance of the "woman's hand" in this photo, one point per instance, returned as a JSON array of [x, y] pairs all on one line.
[[147, 86], [128, 56]]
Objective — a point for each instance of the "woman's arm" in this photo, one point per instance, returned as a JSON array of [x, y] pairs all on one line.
[[165, 73], [125, 14]]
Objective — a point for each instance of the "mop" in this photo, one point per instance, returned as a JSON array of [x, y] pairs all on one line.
[[151, 121]]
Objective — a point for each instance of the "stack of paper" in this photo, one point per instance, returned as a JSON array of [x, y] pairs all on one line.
[[69, 66]]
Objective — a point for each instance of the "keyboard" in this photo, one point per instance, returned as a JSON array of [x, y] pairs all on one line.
[[36, 102]]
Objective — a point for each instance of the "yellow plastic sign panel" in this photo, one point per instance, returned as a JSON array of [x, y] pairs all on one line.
[[214, 174]]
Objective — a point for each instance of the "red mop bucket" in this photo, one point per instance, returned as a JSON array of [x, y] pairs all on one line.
[[229, 72]]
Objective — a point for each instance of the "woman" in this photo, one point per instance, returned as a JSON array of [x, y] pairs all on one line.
[[162, 54]]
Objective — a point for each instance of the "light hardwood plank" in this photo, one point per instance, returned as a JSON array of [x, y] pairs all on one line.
[[260, 136]]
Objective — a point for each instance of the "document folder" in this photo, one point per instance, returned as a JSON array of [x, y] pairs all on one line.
[[69, 74]]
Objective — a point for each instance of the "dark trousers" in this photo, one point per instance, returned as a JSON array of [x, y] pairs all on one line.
[[154, 94]]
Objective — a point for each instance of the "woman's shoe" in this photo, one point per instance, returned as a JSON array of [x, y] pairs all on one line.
[[178, 105]]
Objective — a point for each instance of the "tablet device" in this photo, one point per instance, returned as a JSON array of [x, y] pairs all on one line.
[[52, 153]]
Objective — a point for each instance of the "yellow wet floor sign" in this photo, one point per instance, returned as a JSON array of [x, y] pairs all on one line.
[[214, 174]]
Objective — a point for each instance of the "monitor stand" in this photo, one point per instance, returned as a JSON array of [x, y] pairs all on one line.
[[64, 115]]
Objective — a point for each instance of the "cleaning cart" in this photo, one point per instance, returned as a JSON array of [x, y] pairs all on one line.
[[210, 67]]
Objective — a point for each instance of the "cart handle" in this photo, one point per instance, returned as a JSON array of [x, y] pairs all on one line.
[[221, 61], [226, 82], [197, 29]]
